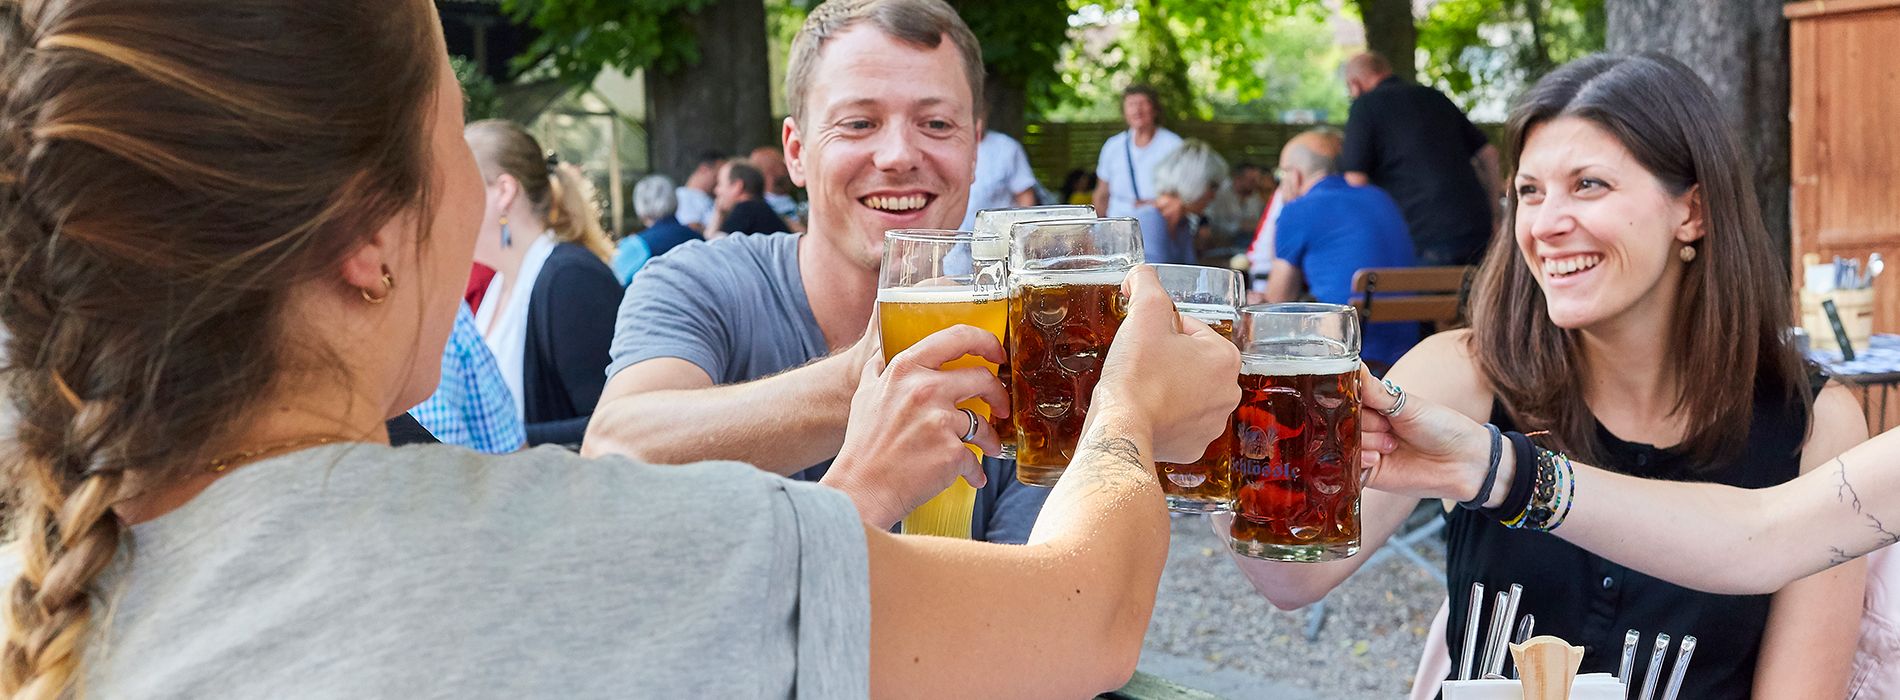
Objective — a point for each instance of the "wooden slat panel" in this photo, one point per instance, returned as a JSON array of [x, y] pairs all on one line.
[[1441, 309], [1450, 278], [1844, 94], [1823, 8]]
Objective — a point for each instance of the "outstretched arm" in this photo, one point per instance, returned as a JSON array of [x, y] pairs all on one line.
[[1708, 537]]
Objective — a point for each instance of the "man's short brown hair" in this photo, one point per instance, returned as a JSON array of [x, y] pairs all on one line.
[[921, 23]]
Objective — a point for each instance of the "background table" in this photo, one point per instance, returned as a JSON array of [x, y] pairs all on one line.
[[1874, 373]]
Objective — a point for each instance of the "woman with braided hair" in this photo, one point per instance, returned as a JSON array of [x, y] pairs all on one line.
[[236, 233]]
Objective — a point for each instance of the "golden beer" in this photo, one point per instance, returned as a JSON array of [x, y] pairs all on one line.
[[907, 315], [1206, 485], [1060, 327]]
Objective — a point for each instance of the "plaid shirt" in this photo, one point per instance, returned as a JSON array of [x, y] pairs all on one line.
[[472, 406]]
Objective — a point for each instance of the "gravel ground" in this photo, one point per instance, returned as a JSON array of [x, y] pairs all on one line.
[[1213, 632]]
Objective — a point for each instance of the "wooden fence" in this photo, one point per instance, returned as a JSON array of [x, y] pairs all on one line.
[[1056, 148]]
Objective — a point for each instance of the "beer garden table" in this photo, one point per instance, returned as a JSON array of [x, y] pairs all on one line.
[[1875, 368]]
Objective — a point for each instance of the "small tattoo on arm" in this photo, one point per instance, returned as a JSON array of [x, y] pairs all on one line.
[[1115, 462], [1845, 493]]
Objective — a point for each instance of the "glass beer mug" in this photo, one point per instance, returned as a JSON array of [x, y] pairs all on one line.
[[1065, 305], [1296, 433], [927, 282]]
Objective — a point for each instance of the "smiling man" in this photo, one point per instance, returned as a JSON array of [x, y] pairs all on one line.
[[724, 349]]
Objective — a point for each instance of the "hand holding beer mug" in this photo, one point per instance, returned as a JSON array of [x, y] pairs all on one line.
[[1065, 304], [929, 282], [1296, 457], [1174, 371], [991, 242], [1210, 295]]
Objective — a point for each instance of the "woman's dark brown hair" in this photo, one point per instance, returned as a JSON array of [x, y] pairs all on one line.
[[1733, 307], [169, 171]]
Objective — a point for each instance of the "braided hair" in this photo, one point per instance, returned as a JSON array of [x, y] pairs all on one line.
[[169, 170]]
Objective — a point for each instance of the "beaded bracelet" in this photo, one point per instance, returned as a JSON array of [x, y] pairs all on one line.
[[1554, 491]]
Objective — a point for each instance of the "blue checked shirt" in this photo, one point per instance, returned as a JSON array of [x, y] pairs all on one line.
[[472, 406]]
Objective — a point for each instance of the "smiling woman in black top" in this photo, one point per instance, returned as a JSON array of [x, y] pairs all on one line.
[[1635, 315]]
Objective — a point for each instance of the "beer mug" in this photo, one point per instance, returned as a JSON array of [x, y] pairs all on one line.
[[1296, 433], [928, 282], [992, 230], [1065, 304], [1212, 295]]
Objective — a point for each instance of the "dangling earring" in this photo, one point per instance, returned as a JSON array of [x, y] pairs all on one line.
[[389, 285], [1687, 253], [507, 239]]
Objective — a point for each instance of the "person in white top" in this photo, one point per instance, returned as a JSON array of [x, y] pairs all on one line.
[[1126, 168], [695, 197], [1003, 178]]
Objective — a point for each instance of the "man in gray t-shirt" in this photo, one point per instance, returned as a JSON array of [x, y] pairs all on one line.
[[751, 349], [736, 308]]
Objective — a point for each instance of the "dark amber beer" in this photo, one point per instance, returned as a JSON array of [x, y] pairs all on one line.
[[1296, 438], [1206, 485], [1211, 295], [1065, 305], [1059, 331], [991, 242]]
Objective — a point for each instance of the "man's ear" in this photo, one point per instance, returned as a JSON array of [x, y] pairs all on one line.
[[794, 152]]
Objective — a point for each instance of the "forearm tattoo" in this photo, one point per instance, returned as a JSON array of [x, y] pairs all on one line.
[[1113, 463], [1846, 495]]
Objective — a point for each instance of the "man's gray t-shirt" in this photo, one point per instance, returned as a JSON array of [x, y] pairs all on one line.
[[736, 307], [438, 572]]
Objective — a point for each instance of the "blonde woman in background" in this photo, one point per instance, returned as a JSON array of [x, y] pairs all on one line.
[[549, 312]]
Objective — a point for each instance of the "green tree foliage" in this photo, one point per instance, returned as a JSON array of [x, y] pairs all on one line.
[[1221, 59], [580, 37], [1490, 49], [479, 100]]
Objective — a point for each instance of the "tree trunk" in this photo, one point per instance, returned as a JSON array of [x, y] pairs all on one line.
[[1740, 47], [1390, 31], [723, 102], [1007, 104]]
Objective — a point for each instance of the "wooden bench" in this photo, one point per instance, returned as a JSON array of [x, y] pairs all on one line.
[[1432, 295]]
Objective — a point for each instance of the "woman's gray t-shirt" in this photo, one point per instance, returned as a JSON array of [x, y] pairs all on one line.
[[437, 572]]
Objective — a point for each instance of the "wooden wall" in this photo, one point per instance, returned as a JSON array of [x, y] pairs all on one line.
[[1845, 114]]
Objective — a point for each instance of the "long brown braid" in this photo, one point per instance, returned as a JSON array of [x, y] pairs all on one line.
[[169, 170]]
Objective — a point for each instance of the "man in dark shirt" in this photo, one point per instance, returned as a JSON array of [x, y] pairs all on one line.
[[1412, 142], [740, 200]]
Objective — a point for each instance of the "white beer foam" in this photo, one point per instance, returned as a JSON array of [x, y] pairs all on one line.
[[1206, 313], [1294, 366], [1050, 278], [929, 295], [989, 249]]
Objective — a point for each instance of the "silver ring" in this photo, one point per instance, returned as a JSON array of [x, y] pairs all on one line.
[[1397, 391], [972, 434]]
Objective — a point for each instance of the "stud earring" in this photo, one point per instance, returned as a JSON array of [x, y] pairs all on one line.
[[1687, 253]]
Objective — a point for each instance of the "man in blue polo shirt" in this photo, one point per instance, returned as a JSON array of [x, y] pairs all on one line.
[[1329, 230]]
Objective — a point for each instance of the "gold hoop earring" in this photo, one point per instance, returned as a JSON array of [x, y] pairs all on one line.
[[1687, 254], [389, 286]]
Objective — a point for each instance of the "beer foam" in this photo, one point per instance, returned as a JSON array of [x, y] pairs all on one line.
[[931, 295], [1050, 278], [1294, 366], [1206, 313], [989, 249]]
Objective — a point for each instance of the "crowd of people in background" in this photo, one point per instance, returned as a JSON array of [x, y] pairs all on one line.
[[408, 278]]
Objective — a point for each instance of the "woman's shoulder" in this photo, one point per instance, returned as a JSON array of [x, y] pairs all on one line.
[[1444, 368]]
